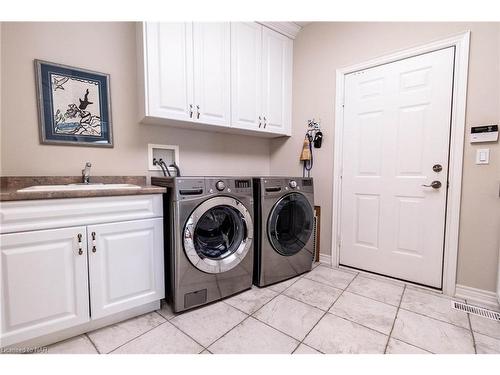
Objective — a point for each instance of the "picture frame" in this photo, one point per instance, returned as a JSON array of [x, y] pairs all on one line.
[[74, 105]]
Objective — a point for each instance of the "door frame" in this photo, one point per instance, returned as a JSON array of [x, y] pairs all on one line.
[[457, 136]]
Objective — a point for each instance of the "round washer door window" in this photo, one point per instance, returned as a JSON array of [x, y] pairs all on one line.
[[218, 234], [290, 224]]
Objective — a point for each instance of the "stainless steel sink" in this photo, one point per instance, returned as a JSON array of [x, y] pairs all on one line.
[[75, 187]]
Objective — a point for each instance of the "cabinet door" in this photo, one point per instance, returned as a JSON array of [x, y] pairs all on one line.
[[169, 64], [44, 283], [125, 265], [211, 51], [276, 81], [246, 75]]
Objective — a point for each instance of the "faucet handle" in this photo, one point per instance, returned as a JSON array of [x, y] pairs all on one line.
[[88, 164]]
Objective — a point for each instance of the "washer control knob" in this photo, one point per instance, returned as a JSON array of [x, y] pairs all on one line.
[[293, 184], [220, 185]]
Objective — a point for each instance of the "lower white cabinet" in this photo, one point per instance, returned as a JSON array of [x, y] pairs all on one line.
[[125, 265], [56, 279], [44, 282]]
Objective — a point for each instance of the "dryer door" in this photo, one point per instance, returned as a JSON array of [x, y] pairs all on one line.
[[290, 224], [218, 234]]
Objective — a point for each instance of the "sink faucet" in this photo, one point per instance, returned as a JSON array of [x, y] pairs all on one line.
[[86, 173]]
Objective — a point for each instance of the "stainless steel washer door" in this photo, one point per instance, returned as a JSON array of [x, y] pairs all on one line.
[[218, 234], [290, 224]]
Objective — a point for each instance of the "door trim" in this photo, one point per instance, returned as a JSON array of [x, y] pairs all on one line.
[[457, 135]]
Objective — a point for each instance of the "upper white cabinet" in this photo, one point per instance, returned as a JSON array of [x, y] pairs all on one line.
[[246, 75], [212, 96], [226, 77], [276, 82], [169, 70]]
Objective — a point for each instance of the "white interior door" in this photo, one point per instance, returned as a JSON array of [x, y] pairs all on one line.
[[170, 69], [44, 282], [396, 128], [246, 75], [125, 265], [276, 80], [212, 76]]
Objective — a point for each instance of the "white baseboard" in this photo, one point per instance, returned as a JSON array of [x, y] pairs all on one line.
[[325, 259], [480, 297]]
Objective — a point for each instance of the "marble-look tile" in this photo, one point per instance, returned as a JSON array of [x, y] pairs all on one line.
[[111, 337], [280, 287], [289, 316], [430, 334], [206, 324], [313, 293], [315, 264], [76, 345], [485, 326], [253, 337], [365, 311], [383, 291], [438, 307], [166, 311], [486, 344], [331, 276], [164, 339], [304, 349], [337, 335], [252, 300], [400, 347]]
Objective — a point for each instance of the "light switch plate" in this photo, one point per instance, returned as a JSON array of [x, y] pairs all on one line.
[[483, 156]]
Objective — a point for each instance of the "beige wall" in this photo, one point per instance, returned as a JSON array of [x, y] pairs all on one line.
[[109, 48], [320, 48]]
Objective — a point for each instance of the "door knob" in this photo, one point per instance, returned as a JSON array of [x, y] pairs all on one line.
[[434, 184]]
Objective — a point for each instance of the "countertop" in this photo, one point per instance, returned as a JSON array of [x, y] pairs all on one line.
[[10, 185]]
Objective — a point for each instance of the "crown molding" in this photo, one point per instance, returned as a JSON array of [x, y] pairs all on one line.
[[289, 29]]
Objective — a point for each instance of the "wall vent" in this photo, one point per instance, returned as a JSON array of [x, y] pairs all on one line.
[[490, 314]]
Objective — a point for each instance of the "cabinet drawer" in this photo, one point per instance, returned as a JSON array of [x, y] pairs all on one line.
[[30, 215]]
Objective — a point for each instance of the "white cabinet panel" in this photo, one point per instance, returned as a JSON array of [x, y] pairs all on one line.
[[125, 265], [169, 64], [37, 214], [44, 283], [276, 81], [212, 47], [246, 75]]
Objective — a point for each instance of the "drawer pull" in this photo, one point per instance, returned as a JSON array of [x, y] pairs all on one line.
[[80, 251], [94, 249]]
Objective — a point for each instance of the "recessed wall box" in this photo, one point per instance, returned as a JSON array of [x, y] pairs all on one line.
[[168, 153], [485, 133]]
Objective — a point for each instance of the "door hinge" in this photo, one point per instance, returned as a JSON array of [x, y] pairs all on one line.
[[447, 184]]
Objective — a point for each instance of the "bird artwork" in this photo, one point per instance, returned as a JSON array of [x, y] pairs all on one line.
[[58, 83], [85, 102]]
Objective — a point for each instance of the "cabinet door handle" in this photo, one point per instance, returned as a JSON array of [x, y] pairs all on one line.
[[260, 121], [190, 111], [80, 251], [94, 249], [198, 112], [265, 122]]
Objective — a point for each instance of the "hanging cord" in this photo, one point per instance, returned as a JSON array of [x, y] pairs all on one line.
[[164, 166]]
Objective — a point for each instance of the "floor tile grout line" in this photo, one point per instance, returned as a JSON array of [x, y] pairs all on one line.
[[434, 318], [394, 321], [142, 334], [86, 334], [373, 299], [471, 332], [226, 333], [321, 318]]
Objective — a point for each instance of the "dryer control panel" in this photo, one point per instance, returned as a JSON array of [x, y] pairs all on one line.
[[276, 186]]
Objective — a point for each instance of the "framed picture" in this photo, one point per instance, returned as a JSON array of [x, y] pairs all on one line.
[[74, 106]]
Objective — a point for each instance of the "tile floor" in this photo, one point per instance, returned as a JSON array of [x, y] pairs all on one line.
[[325, 311]]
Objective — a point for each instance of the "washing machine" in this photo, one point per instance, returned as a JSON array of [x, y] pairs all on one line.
[[208, 238], [284, 225]]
